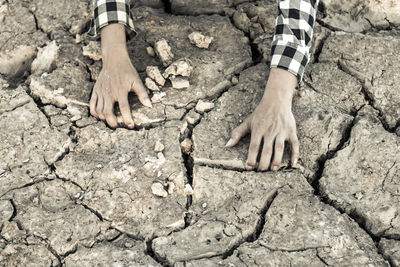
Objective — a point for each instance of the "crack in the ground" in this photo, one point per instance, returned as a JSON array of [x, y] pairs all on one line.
[[366, 84], [259, 227], [324, 199]]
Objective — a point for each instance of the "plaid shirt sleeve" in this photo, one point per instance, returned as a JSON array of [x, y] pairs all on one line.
[[293, 34], [108, 12]]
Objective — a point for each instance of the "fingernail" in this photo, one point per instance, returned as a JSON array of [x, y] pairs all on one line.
[[147, 103], [249, 167], [230, 142], [275, 168]]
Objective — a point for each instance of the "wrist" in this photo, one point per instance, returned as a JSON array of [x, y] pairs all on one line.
[[113, 42], [281, 85]]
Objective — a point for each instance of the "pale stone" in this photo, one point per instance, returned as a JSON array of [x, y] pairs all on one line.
[[154, 73], [200, 40], [16, 61], [159, 147], [193, 117], [188, 189], [46, 59], [151, 84], [92, 50], [158, 97], [179, 83], [150, 51], [163, 51], [203, 106], [182, 67], [158, 190], [186, 146]]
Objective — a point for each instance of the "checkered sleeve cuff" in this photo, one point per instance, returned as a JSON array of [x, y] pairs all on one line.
[[293, 35], [290, 57], [108, 12]]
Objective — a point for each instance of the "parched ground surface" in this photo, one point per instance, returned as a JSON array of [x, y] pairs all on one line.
[[74, 192]]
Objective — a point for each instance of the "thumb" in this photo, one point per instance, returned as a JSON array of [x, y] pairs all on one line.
[[238, 133], [138, 87]]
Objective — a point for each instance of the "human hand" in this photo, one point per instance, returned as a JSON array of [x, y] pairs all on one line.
[[271, 121], [117, 78]]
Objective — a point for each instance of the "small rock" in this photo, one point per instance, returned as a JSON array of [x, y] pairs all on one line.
[[204, 106], [235, 80], [150, 51], [151, 85], [163, 51], [15, 62], [186, 146], [158, 190], [358, 195], [204, 205], [157, 97], [241, 21], [182, 67], [192, 117], [159, 147], [46, 59], [171, 187], [154, 73], [200, 40], [92, 50], [179, 83], [188, 190]]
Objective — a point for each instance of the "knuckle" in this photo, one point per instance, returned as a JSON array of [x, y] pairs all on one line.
[[253, 147], [268, 150], [279, 145]]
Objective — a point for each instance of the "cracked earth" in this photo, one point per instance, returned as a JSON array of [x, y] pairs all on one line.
[[74, 192]]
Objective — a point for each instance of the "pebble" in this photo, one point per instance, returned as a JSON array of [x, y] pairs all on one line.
[[150, 51], [157, 97], [188, 190], [154, 73], [163, 51], [46, 59], [151, 85], [200, 40], [92, 50], [158, 190], [182, 67], [186, 146], [204, 106], [171, 187], [159, 147], [179, 83]]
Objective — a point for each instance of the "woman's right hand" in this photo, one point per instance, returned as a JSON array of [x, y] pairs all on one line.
[[117, 78]]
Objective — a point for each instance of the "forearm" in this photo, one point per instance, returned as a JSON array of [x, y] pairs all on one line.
[[280, 87], [113, 42]]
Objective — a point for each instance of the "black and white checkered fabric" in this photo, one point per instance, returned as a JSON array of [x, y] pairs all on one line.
[[293, 29], [108, 12], [293, 35]]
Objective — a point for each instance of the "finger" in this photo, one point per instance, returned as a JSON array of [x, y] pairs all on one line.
[[253, 150], [295, 150], [238, 133], [266, 154], [92, 105], [100, 106], [141, 92], [278, 153], [126, 111], [109, 113]]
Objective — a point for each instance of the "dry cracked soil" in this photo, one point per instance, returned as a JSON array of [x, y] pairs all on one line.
[[74, 192]]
